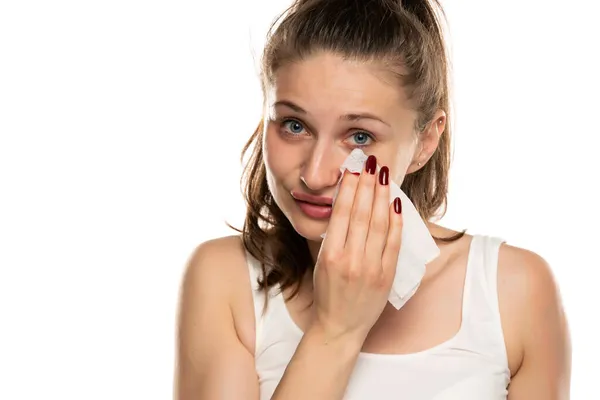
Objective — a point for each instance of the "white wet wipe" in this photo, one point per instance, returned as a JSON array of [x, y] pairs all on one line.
[[418, 247]]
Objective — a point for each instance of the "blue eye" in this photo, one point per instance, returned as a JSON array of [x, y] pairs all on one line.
[[293, 126], [361, 138]]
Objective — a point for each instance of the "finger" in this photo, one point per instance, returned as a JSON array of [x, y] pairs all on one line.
[[337, 228], [360, 216], [380, 220], [394, 239]]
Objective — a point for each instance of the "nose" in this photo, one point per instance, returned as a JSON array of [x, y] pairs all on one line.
[[321, 171]]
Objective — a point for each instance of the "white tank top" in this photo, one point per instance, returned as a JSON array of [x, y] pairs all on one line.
[[472, 365]]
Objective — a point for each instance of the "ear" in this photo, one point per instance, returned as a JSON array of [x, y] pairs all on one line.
[[429, 139]]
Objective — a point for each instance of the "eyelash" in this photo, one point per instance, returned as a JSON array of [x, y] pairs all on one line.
[[284, 121]]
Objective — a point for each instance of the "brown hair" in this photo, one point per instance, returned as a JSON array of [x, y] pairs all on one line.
[[405, 35]]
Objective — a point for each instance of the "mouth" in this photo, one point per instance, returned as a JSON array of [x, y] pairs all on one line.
[[315, 207], [313, 210], [312, 199], [314, 203]]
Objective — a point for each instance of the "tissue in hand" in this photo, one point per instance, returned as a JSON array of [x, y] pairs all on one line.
[[418, 247]]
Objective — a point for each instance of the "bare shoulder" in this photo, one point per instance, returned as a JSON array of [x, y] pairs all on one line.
[[210, 354], [533, 318], [218, 261], [226, 246], [526, 273], [218, 268], [526, 280]]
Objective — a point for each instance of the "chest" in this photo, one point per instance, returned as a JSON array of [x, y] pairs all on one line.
[[431, 317], [451, 370]]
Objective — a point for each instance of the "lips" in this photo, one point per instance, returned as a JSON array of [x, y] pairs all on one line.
[[315, 204], [312, 199], [314, 211]]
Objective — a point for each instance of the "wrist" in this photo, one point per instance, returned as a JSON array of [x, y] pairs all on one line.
[[349, 343]]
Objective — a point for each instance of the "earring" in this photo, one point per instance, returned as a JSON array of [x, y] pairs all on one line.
[[418, 164]]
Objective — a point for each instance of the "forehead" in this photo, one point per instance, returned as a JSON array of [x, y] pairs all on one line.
[[332, 84]]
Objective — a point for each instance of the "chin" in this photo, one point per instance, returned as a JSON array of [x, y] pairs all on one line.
[[306, 227]]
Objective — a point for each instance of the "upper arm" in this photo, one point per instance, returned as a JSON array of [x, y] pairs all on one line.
[[212, 363], [545, 369]]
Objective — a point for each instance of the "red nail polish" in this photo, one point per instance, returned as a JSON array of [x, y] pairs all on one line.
[[371, 165], [384, 175], [355, 173], [397, 205]]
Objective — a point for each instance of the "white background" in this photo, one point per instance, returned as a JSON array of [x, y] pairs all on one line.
[[121, 124]]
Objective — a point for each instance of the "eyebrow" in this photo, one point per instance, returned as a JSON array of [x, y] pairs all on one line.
[[347, 117]]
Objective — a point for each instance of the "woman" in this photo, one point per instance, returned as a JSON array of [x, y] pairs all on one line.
[[486, 321]]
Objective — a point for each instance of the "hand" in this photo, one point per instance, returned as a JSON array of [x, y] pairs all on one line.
[[357, 261]]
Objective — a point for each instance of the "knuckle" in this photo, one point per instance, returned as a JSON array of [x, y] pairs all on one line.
[[352, 273], [395, 249], [394, 242], [380, 282], [375, 277], [332, 258], [379, 225], [360, 216]]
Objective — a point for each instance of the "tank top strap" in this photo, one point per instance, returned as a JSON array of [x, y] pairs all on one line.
[[482, 275], [481, 311], [258, 297], [490, 250]]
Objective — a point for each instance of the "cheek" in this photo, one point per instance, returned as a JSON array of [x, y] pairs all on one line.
[[279, 154], [401, 164], [397, 158], [274, 158], [270, 147]]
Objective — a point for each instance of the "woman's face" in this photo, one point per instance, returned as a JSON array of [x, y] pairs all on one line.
[[319, 110]]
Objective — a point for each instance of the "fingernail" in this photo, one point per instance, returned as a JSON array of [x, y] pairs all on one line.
[[397, 205], [371, 165], [384, 175], [355, 173]]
